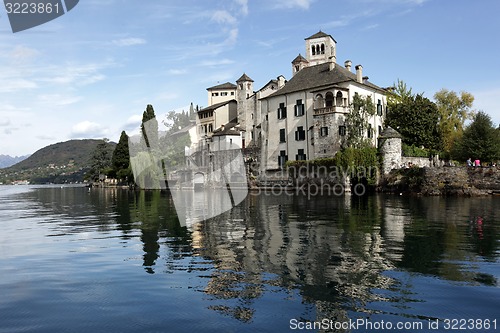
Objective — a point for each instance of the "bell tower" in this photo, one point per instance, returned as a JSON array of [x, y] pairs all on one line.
[[320, 48]]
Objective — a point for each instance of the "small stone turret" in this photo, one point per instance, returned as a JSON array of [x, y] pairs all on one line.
[[390, 149]]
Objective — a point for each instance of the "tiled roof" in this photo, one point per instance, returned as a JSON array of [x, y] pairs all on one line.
[[244, 77], [227, 85], [390, 132], [320, 34], [229, 129], [217, 105], [299, 58], [318, 76]]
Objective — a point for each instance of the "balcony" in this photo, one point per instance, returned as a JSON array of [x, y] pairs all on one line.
[[330, 109]]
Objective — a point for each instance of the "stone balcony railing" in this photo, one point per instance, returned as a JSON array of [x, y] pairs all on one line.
[[329, 109]]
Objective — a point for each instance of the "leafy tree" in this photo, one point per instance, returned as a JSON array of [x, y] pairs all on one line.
[[356, 121], [399, 93], [120, 161], [454, 110], [176, 138], [479, 140], [101, 161], [416, 119]]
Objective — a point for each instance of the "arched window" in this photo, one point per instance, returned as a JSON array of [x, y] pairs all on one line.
[[338, 99], [313, 49], [322, 48], [317, 49], [329, 99], [319, 102]]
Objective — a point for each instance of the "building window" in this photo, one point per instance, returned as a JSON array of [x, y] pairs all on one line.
[[319, 101], [329, 99], [323, 131], [300, 134], [210, 127], [369, 131], [339, 99], [282, 135], [232, 93], [379, 129], [379, 107], [224, 93], [342, 130], [299, 108], [386, 109], [300, 155], [282, 111], [282, 158], [230, 142], [322, 48], [215, 94]]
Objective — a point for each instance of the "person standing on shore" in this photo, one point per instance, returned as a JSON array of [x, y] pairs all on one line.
[[469, 162], [477, 162]]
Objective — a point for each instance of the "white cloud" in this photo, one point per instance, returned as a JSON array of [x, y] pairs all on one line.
[[58, 99], [303, 4], [9, 85], [175, 71], [88, 129], [243, 6], [223, 17], [214, 63], [5, 122], [22, 54], [78, 74], [129, 41]]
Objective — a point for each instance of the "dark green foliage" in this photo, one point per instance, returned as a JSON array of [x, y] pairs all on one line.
[[58, 163], [100, 162], [416, 119], [480, 140], [120, 161], [149, 134], [414, 151], [362, 162]]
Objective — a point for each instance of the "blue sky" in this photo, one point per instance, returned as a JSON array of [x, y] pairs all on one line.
[[91, 72]]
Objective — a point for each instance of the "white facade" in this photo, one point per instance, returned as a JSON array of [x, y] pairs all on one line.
[[221, 93], [306, 118]]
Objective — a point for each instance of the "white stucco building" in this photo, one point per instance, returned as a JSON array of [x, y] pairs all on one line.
[[305, 119]]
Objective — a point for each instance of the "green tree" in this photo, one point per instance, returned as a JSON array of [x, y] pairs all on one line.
[[100, 161], [149, 127], [454, 110], [120, 161], [479, 140], [399, 93], [416, 119], [356, 121]]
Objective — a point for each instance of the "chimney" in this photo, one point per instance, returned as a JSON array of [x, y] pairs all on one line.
[[348, 64], [331, 64], [281, 81], [365, 79], [359, 73]]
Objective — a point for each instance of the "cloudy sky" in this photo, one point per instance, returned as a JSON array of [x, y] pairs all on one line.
[[91, 72]]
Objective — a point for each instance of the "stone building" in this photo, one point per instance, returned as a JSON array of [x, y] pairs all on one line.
[[305, 119], [390, 149]]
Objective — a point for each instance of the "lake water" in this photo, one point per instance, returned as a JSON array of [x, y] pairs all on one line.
[[109, 260]]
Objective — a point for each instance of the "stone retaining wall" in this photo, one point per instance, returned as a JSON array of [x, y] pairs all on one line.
[[444, 181]]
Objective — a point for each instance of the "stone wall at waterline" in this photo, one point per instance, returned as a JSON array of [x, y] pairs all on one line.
[[444, 181]]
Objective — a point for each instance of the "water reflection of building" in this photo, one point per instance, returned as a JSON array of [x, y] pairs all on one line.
[[333, 266]]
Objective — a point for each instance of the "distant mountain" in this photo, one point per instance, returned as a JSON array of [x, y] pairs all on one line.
[[7, 161], [61, 162]]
